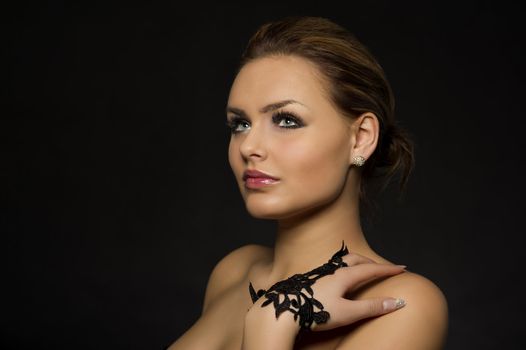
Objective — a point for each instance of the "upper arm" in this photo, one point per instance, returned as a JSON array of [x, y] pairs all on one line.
[[421, 324], [229, 270]]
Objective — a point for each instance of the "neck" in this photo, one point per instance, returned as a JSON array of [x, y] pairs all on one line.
[[308, 240]]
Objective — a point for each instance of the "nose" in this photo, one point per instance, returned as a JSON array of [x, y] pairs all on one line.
[[253, 145]]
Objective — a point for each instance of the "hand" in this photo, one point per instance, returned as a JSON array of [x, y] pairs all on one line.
[[330, 290], [318, 295]]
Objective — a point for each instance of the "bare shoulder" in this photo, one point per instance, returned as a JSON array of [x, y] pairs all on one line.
[[231, 269], [415, 288], [425, 301], [421, 324]]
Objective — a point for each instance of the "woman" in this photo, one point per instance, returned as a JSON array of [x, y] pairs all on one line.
[[312, 121]]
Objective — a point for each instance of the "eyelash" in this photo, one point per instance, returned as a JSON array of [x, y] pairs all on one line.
[[276, 118]]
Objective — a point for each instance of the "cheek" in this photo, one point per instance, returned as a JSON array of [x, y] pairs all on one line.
[[233, 157], [230, 153], [236, 164], [314, 164]]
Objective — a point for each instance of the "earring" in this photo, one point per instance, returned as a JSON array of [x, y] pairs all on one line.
[[358, 160]]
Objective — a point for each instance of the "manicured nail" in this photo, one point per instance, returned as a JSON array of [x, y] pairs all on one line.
[[393, 304]]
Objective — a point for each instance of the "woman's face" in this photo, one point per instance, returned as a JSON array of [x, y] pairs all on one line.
[[304, 144]]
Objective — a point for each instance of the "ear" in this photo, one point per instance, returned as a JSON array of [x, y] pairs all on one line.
[[365, 130]]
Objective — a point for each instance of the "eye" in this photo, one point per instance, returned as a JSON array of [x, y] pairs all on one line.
[[287, 120], [237, 124]]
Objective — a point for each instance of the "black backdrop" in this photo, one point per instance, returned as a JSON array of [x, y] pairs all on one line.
[[119, 199]]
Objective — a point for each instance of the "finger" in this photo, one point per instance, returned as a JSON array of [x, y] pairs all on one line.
[[358, 275], [356, 310], [352, 259]]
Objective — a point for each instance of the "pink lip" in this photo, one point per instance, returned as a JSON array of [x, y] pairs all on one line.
[[257, 179]]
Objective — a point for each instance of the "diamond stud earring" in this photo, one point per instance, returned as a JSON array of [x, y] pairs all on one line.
[[358, 160]]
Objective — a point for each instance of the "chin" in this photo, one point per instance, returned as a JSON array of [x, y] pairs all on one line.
[[277, 211], [265, 206], [264, 210]]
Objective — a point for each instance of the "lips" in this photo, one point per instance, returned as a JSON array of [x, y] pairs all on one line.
[[257, 174], [257, 179]]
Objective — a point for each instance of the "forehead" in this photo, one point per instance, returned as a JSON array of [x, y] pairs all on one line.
[[274, 78]]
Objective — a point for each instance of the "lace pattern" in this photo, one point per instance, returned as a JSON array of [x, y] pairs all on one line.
[[297, 295]]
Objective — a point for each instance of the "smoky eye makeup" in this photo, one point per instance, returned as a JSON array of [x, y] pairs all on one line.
[[281, 119], [287, 117], [233, 123]]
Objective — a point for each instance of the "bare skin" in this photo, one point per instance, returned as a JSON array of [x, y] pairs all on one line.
[[315, 202]]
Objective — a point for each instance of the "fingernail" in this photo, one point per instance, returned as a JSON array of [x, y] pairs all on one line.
[[402, 266], [393, 304]]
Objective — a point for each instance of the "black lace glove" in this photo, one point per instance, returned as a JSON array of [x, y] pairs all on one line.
[[300, 303]]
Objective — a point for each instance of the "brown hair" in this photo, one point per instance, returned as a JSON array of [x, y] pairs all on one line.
[[356, 84]]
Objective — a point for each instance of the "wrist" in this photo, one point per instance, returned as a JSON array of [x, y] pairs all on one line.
[[262, 328], [265, 317]]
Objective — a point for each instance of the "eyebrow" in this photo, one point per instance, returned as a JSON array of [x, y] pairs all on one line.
[[266, 109]]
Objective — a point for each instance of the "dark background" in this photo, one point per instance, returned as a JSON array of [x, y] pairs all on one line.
[[119, 199]]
